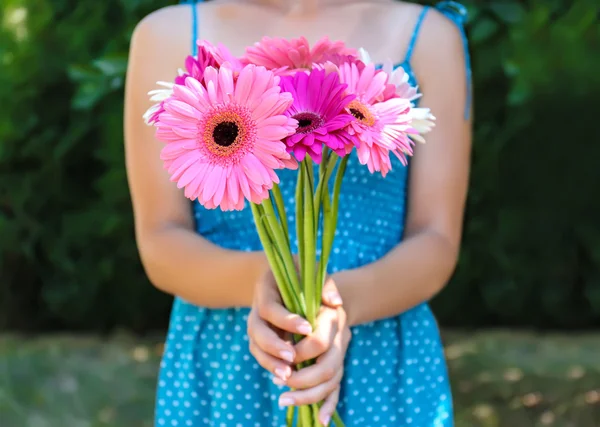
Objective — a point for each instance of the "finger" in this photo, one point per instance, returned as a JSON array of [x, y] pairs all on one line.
[[324, 370], [331, 296], [313, 394], [270, 363], [267, 339], [271, 310], [320, 340], [329, 406]]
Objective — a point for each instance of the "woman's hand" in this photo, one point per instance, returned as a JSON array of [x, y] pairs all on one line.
[[320, 381], [268, 323]]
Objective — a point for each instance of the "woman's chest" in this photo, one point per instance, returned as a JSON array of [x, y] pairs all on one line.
[[370, 207], [359, 25]]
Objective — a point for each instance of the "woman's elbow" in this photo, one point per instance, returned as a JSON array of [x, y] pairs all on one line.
[[450, 252], [150, 256]]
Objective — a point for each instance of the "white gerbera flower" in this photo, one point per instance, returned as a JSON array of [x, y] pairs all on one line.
[[422, 122], [158, 96]]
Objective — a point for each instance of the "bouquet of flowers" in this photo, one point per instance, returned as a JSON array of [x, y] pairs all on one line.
[[230, 123]]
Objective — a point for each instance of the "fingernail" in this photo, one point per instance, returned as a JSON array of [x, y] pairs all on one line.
[[334, 298], [278, 381], [285, 401], [287, 355], [281, 373], [305, 328], [325, 419]]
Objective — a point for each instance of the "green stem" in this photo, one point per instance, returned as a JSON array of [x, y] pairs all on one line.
[[308, 206], [284, 286], [319, 190], [324, 196], [337, 187], [289, 416], [278, 197], [309, 258], [305, 416], [322, 271], [331, 218], [278, 255], [325, 173], [299, 210], [284, 249], [337, 420], [315, 411]]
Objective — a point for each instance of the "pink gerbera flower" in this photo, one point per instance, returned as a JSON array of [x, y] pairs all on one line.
[[381, 127], [319, 107], [224, 137], [296, 54]]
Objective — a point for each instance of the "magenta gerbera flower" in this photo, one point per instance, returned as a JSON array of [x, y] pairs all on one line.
[[224, 137], [380, 127], [296, 54], [319, 108], [195, 65], [222, 55]]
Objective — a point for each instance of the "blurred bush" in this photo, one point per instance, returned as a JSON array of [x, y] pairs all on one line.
[[531, 253], [67, 249]]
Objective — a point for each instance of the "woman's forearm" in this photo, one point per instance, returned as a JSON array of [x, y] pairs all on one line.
[[182, 263], [410, 274]]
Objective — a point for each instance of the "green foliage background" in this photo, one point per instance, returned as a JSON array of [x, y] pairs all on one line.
[[531, 253]]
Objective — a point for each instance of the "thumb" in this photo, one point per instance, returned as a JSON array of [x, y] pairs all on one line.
[[331, 296]]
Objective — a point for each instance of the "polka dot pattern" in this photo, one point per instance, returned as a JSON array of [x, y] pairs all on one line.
[[395, 369]]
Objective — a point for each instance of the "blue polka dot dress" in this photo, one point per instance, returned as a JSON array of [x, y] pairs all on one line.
[[395, 373]]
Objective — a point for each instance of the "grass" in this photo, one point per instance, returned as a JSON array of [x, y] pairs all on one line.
[[503, 379], [500, 379]]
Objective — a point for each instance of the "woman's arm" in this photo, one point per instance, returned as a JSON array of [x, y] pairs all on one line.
[[420, 266], [176, 259]]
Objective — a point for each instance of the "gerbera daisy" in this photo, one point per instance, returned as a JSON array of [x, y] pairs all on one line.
[[399, 78], [397, 85], [158, 96], [319, 108], [379, 125], [194, 67], [222, 55], [422, 119], [224, 137], [422, 122], [296, 54]]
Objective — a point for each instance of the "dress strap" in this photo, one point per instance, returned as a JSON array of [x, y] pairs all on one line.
[[457, 13], [193, 3], [415, 34]]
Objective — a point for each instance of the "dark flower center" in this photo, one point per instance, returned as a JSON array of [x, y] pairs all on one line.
[[304, 123], [225, 133], [358, 114], [308, 121]]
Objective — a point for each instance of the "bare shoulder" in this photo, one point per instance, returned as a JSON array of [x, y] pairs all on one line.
[[167, 30], [159, 45], [401, 22], [439, 47], [439, 39], [439, 32], [165, 18], [405, 9]]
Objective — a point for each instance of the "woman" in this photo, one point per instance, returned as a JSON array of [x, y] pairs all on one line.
[[397, 243]]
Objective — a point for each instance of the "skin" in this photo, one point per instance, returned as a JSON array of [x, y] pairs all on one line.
[[180, 262]]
